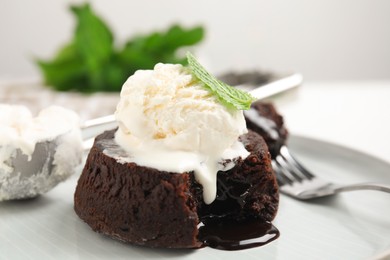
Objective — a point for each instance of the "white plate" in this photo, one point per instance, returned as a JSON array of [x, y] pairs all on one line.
[[353, 225]]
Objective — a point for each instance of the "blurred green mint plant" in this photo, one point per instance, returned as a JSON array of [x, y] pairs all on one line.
[[91, 62]]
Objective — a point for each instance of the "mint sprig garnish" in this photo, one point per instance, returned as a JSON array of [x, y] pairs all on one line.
[[227, 95]]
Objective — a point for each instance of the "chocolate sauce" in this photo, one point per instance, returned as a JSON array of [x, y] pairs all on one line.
[[230, 200], [237, 236]]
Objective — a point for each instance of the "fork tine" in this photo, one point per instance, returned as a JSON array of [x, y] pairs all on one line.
[[292, 161], [289, 169], [280, 176]]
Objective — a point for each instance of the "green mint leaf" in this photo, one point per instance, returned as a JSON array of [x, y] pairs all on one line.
[[177, 37], [228, 95], [66, 71], [93, 38], [144, 51], [91, 62], [95, 44]]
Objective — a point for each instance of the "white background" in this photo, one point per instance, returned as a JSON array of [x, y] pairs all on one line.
[[324, 40]]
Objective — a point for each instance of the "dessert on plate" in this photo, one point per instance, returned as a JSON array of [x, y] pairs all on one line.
[[181, 168]]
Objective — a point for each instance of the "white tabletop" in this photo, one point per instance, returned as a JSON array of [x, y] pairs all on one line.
[[353, 114]]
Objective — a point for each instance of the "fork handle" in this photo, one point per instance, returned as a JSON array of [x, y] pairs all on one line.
[[363, 186], [331, 189]]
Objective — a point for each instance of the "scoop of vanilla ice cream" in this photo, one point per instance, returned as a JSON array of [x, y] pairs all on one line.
[[167, 106], [168, 120]]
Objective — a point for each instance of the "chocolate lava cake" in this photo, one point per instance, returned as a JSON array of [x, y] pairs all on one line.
[[264, 119], [145, 206]]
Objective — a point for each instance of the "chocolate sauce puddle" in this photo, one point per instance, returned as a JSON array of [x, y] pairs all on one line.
[[237, 236]]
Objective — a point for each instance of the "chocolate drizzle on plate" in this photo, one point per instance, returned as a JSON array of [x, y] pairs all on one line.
[[237, 236]]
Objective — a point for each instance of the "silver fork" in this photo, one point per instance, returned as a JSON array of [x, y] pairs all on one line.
[[298, 182]]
